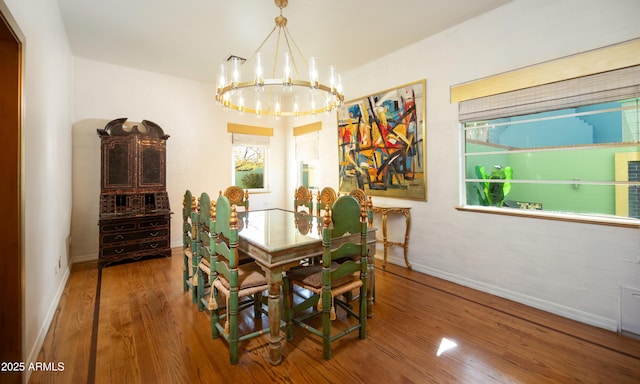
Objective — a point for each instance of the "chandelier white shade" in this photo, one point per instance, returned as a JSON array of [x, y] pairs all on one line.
[[290, 87]]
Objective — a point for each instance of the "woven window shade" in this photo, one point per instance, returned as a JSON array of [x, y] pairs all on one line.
[[248, 140], [603, 87]]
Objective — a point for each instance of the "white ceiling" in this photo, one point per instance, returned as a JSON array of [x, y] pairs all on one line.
[[191, 38]]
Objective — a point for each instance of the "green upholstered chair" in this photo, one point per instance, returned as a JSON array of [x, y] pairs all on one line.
[[189, 245], [343, 270], [303, 200], [233, 286]]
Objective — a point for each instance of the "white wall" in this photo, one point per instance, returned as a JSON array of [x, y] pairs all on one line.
[[46, 137], [567, 268], [198, 151]]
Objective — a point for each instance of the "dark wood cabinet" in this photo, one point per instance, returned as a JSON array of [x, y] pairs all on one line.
[[135, 217]]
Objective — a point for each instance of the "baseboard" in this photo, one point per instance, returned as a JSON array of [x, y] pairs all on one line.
[[42, 334], [84, 258], [560, 310]]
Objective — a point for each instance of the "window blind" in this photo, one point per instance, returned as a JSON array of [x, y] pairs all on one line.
[[602, 87], [242, 139], [307, 147]]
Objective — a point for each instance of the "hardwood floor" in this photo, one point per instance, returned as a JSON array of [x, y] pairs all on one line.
[[147, 331]]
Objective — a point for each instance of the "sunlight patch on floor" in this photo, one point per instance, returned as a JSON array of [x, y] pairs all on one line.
[[445, 345]]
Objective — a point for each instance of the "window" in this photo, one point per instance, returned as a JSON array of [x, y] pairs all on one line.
[[569, 148], [250, 162], [307, 140], [562, 160], [309, 174]]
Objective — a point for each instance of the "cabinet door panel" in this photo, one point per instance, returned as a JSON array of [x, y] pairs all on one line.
[[151, 165], [116, 170]]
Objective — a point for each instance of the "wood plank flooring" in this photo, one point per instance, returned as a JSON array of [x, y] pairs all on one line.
[[148, 331]]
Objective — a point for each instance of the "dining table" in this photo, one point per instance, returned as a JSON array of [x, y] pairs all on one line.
[[278, 240]]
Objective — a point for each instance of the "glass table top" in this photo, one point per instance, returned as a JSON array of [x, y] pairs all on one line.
[[277, 229]]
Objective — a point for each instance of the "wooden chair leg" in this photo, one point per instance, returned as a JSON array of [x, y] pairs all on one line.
[[214, 315], [232, 318], [194, 287], [362, 314], [185, 274], [200, 290], [326, 325]]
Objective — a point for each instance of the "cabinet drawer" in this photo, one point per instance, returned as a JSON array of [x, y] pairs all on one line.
[[147, 224], [115, 227], [154, 245], [124, 249], [129, 236], [119, 250]]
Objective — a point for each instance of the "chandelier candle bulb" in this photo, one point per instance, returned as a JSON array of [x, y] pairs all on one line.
[[240, 103], [226, 102], [332, 78], [287, 70], [235, 63], [221, 77], [259, 77], [258, 107], [313, 72], [277, 107]]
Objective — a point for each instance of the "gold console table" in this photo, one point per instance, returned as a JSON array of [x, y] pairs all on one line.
[[384, 210]]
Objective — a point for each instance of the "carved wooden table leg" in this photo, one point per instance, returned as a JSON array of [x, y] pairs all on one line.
[[274, 279], [275, 340]]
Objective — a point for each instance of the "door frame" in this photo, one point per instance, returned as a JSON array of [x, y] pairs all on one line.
[[12, 275]]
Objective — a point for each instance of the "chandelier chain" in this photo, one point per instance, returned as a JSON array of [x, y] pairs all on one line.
[[287, 36]]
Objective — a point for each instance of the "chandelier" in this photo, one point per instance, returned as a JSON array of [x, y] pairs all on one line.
[[286, 92]]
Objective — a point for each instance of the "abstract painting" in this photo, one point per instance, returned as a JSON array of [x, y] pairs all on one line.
[[382, 143]]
